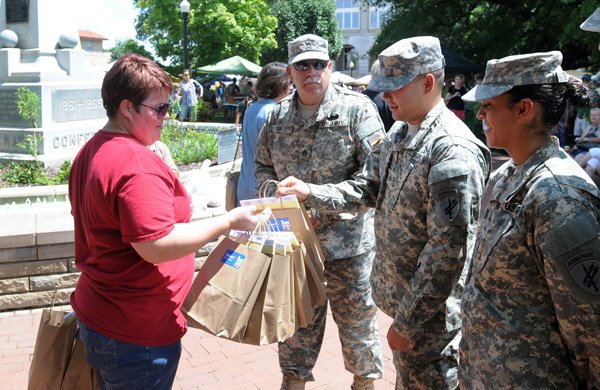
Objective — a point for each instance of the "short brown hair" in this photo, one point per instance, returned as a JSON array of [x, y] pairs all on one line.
[[132, 77], [272, 80]]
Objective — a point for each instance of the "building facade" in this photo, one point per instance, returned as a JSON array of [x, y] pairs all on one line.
[[360, 23]]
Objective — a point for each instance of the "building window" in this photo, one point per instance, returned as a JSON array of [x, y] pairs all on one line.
[[377, 17], [88, 46], [348, 14]]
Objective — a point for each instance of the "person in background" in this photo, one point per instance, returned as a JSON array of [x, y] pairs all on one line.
[[247, 88], [241, 108], [189, 99], [452, 98], [272, 85], [377, 97], [590, 138], [531, 306], [426, 180], [232, 90], [175, 101], [323, 134], [134, 242], [161, 150]]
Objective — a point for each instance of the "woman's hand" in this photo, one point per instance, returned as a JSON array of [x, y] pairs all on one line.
[[246, 218], [293, 186]]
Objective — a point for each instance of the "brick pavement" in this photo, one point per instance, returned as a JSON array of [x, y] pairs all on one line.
[[207, 362]]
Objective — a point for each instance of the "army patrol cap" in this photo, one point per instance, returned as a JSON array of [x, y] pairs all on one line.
[[308, 47], [406, 59], [524, 69], [593, 22]]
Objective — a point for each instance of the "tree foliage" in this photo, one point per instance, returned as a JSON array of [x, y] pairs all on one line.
[[217, 29], [482, 30], [123, 47], [297, 18]]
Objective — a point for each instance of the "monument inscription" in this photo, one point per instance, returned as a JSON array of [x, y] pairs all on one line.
[[8, 109], [17, 11], [77, 104]]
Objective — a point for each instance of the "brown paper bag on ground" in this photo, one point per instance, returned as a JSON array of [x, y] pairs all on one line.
[[225, 290], [59, 357], [52, 352], [80, 375]]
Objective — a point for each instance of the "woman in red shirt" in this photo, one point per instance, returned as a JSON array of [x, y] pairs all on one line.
[[134, 242]]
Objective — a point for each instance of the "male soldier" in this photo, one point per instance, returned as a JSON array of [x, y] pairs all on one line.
[[426, 179], [323, 133]]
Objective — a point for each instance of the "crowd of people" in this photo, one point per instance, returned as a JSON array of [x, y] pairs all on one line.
[[230, 99], [496, 297]]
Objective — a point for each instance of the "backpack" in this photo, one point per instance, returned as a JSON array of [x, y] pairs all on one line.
[[197, 87]]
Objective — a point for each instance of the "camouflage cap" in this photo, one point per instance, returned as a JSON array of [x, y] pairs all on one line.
[[593, 22], [524, 69], [307, 47], [405, 60]]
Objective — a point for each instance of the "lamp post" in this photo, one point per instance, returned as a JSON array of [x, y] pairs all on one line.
[[351, 66], [185, 9]]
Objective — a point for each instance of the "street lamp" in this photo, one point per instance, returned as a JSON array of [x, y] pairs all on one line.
[[185, 9], [351, 66]]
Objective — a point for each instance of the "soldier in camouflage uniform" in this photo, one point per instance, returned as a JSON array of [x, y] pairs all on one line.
[[323, 134], [531, 307], [426, 179]]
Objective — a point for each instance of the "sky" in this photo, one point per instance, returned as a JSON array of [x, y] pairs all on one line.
[[113, 19]]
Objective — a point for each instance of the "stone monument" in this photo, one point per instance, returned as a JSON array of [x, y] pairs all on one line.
[[41, 51]]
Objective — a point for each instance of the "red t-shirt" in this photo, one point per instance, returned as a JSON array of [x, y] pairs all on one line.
[[120, 193]]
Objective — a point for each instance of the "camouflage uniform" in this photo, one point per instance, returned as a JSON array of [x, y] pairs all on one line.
[[531, 308], [427, 190], [329, 148]]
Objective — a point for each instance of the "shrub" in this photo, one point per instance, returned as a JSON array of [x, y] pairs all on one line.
[[187, 145], [62, 177], [26, 172]]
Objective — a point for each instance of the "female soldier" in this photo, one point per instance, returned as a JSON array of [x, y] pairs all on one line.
[[531, 309]]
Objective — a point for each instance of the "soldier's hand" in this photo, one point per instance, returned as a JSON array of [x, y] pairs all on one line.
[[293, 186], [397, 342]]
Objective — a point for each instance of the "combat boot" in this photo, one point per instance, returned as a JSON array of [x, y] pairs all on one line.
[[361, 383], [291, 383]]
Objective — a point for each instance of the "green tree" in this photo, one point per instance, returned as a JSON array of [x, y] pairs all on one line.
[[128, 46], [482, 30], [296, 18], [217, 29]]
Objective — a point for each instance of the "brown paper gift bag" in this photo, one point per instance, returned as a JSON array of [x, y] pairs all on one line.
[[273, 317], [58, 358], [302, 295], [224, 291], [80, 375]]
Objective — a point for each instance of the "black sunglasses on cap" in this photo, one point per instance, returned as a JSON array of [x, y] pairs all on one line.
[[161, 110], [301, 66]]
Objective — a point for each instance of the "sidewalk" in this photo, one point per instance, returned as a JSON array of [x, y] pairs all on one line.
[[207, 362]]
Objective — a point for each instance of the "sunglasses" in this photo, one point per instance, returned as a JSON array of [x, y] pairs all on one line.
[[161, 110], [301, 66]]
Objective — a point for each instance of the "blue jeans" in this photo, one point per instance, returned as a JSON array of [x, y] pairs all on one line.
[[185, 112], [130, 366]]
